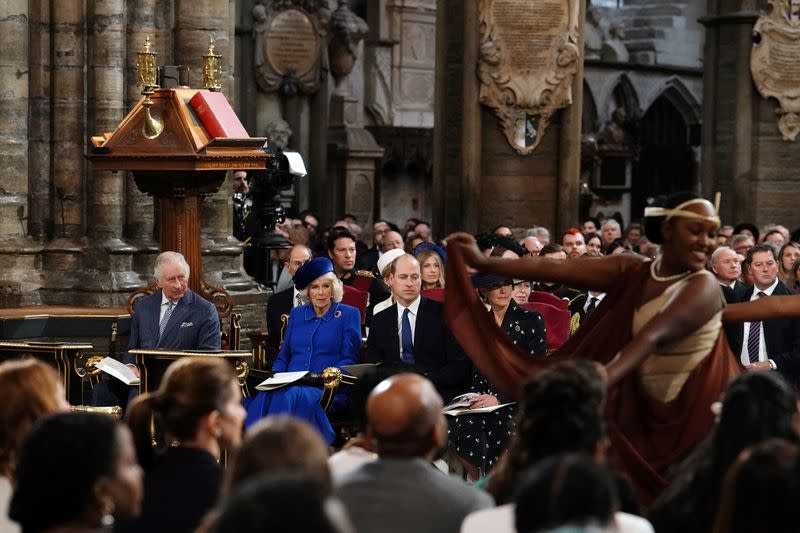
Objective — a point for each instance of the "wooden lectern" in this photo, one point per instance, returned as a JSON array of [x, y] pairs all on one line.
[[172, 157]]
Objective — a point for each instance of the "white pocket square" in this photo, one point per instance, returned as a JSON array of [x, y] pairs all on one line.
[[187, 324]]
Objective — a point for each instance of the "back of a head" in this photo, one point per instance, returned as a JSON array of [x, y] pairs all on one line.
[[404, 416], [28, 391], [761, 491], [59, 464], [565, 490], [278, 444], [757, 406], [285, 503], [190, 389], [652, 225], [562, 411]]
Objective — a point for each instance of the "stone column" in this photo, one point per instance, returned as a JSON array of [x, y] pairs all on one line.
[[195, 22], [40, 218], [139, 218], [62, 263], [68, 124], [110, 278], [17, 271], [569, 166]]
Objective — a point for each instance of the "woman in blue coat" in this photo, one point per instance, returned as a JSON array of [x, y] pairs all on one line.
[[320, 334]]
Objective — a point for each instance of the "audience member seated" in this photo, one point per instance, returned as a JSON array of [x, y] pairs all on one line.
[[531, 244], [479, 439], [322, 333], [295, 502], [173, 318], [180, 432], [566, 491], [384, 268], [279, 444], [725, 265], [392, 241], [594, 243], [77, 472], [556, 253], [761, 490], [790, 252], [757, 406], [281, 303], [617, 246], [431, 258], [413, 333], [610, 231], [741, 243], [29, 390], [793, 280], [506, 246], [401, 492], [522, 291], [573, 243]]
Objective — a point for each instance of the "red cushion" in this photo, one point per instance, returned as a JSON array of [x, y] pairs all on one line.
[[434, 294], [356, 298], [547, 298], [555, 320]]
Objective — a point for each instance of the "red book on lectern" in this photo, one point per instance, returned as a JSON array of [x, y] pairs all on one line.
[[217, 115]]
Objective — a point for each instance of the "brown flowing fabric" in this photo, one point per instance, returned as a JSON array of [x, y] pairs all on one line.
[[647, 435]]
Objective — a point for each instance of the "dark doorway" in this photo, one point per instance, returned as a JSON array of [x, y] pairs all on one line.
[[666, 161]]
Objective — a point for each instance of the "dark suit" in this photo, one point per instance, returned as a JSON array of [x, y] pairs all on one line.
[[193, 325], [781, 336], [436, 353], [279, 304], [738, 293]]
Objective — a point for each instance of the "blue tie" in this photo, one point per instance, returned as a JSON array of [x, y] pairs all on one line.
[[408, 343]]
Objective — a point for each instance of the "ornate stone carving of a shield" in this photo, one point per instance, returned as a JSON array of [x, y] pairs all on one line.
[[527, 62], [774, 62]]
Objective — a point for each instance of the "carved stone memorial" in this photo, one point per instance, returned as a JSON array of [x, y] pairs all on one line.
[[288, 48], [774, 65], [528, 59]]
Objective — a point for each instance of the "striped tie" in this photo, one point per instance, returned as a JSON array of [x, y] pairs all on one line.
[[754, 338], [164, 319]]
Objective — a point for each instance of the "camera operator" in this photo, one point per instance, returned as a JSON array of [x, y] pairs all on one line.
[[246, 225]]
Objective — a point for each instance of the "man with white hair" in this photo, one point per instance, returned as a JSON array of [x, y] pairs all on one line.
[[172, 318], [727, 267]]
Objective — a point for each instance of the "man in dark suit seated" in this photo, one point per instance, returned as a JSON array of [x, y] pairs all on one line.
[[397, 491], [772, 344], [413, 332], [281, 304], [727, 267], [172, 318]]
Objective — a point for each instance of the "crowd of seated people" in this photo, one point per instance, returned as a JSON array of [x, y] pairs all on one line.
[[541, 464]]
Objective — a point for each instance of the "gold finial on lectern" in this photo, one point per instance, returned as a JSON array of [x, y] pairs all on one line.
[[212, 68], [146, 78]]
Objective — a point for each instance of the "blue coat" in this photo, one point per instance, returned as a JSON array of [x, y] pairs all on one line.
[[194, 325], [311, 343]]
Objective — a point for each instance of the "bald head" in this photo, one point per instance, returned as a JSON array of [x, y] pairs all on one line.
[[404, 417]]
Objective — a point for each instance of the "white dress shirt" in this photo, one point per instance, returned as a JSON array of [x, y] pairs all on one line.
[[762, 346], [412, 318]]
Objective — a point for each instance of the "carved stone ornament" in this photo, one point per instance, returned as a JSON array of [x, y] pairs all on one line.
[[289, 40], [527, 62], [774, 62]]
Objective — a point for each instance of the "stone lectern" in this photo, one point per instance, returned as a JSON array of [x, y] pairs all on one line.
[[172, 157]]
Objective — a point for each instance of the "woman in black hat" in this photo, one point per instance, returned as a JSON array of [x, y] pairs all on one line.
[[481, 438]]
